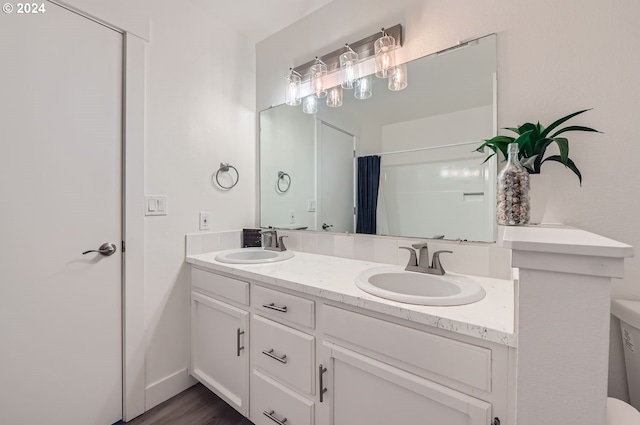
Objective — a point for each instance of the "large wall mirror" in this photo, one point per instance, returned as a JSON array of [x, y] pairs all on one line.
[[401, 163]]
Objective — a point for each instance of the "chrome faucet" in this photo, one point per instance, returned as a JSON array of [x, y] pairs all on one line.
[[421, 264], [271, 241]]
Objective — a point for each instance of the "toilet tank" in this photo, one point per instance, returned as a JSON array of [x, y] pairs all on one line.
[[629, 314]]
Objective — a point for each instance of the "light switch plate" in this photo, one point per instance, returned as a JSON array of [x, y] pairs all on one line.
[[311, 205], [155, 205], [205, 220]]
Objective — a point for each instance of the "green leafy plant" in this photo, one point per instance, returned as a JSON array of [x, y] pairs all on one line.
[[533, 141]]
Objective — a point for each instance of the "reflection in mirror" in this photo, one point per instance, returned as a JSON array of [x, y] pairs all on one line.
[[400, 163]]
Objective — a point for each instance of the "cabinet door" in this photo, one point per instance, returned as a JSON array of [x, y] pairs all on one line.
[[362, 390], [219, 349]]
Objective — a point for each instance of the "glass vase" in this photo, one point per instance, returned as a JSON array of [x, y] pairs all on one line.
[[513, 206]]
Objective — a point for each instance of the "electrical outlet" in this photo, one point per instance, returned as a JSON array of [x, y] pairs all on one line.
[[205, 220], [292, 216], [311, 206]]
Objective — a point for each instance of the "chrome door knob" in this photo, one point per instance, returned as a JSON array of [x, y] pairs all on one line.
[[105, 249]]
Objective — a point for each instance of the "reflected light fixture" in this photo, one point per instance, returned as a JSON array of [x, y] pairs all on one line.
[[292, 89], [349, 68], [334, 98], [398, 77], [363, 88], [317, 73], [385, 53], [310, 104]]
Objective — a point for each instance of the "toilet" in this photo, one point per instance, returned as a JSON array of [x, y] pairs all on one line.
[[619, 412]]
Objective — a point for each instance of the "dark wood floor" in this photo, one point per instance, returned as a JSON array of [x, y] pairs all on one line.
[[195, 406]]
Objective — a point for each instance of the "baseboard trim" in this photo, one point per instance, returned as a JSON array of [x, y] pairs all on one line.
[[167, 387]]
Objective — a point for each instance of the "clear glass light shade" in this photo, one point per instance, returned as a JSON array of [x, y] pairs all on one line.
[[334, 97], [349, 69], [363, 88], [310, 104], [292, 89], [398, 77], [385, 51], [317, 73]]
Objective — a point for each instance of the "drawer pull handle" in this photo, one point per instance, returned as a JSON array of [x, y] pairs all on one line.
[[270, 415], [273, 306], [274, 356], [322, 388], [238, 347]]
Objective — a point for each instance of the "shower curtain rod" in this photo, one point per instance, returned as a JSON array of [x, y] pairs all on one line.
[[428, 148]]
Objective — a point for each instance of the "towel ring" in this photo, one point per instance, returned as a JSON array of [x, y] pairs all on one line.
[[224, 167], [281, 177]]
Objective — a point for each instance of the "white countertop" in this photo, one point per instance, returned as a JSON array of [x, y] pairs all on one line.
[[332, 278], [563, 240]]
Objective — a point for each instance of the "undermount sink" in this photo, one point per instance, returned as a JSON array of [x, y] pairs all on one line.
[[252, 256], [396, 284]]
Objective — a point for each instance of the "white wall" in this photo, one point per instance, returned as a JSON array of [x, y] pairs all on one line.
[[200, 112], [554, 58]]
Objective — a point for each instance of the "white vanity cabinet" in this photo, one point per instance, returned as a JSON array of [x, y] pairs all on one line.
[[283, 353], [309, 361], [364, 390], [220, 337], [377, 372]]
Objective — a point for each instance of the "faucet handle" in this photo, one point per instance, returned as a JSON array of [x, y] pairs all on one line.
[[281, 243], [436, 264], [413, 259]]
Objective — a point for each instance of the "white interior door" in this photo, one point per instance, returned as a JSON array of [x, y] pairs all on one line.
[[335, 180], [60, 180]]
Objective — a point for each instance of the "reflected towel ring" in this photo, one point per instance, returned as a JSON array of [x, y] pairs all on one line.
[[224, 167], [281, 177]]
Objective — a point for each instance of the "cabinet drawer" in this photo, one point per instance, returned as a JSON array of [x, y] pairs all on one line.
[[284, 307], [465, 363], [270, 398], [226, 287], [284, 353]]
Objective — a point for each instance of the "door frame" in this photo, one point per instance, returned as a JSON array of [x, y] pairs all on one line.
[[134, 27]]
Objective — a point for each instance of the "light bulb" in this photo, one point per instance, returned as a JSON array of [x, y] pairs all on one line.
[[348, 69], [363, 88], [318, 72], [334, 98], [292, 89], [385, 51], [310, 104], [398, 77]]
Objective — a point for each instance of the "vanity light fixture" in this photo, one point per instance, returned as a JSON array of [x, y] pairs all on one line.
[[310, 104], [292, 92], [398, 77], [317, 73], [320, 72], [363, 89], [385, 52], [349, 68], [334, 98]]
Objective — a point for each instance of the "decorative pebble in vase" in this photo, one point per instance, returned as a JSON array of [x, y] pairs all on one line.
[[513, 191]]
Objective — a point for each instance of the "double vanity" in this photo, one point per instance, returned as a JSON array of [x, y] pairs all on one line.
[[297, 341]]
